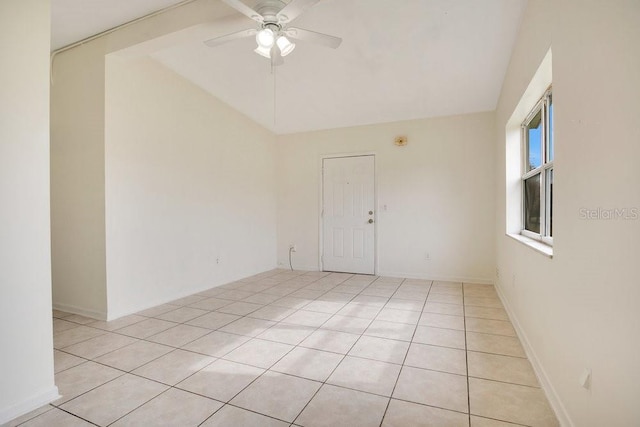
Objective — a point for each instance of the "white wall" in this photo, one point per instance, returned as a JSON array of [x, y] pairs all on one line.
[[78, 236], [190, 189], [437, 190], [579, 310], [26, 358]]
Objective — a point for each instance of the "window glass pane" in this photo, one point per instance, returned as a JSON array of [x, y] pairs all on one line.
[[534, 142], [532, 204], [550, 128], [550, 201]]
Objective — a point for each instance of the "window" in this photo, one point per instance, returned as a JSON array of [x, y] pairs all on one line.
[[537, 171]]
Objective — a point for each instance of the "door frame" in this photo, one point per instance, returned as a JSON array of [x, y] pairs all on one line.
[[321, 160]]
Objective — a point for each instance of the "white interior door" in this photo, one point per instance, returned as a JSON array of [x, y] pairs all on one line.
[[348, 199]]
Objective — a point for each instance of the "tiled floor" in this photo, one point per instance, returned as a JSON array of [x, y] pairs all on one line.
[[305, 349]]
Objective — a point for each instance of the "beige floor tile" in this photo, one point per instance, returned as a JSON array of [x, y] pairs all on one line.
[[182, 314], [398, 316], [133, 356], [442, 359], [118, 323], [158, 310], [486, 422], [486, 313], [291, 302], [442, 308], [221, 380], [508, 369], [412, 295], [382, 349], [391, 330], [480, 291], [82, 378], [174, 367], [261, 298], [340, 407], [73, 336], [259, 353], [188, 300], [279, 291], [307, 294], [216, 343], [277, 395], [103, 344], [445, 298], [114, 399], [60, 314], [439, 336], [179, 335], [404, 304], [60, 325], [235, 295], [488, 326], [405, 414], [307, 318], [211, 303], [308, 363], [325, 306], [497, 344], [336, 342], [352, 325], [287, 333], [483, 301], [371, 376], [273, 313], [146, 328], [379, 291], [360, 310], [370, 300], [510, 402], [63, 361], [240, 308], [81, 320], [212, 292], [29, 416], [433, 388], [247, 326], [442, 321], [171, 408], [213, 320], [56, 418], [238, 417]]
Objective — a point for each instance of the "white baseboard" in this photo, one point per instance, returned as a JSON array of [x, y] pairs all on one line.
[[463, 279], [98, 315], [547, 387], [26, 406]]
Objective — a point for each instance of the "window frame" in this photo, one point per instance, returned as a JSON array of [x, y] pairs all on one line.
[[544, 169]]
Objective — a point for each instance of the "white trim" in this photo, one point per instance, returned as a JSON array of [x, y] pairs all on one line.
[[43, 398], [463, 279], [543, 378], [94, 314], [534, 244]]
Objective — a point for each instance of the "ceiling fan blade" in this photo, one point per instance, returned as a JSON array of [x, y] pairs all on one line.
[[294, 9], [245, 10], [217, 41], [314, 37], [276, 56]]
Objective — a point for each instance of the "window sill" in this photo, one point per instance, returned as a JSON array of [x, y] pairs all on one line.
[[536, 245]]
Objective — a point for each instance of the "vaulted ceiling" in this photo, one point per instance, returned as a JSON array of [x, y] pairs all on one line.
[[399, 60]]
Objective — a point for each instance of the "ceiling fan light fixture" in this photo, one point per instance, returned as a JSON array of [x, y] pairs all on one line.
[[286, 47], [263, 51], [265, 38]]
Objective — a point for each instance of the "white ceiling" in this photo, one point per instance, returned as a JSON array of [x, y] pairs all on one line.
[[400, 60]]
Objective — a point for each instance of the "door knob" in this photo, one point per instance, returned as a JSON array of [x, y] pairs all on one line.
[[370, 221]]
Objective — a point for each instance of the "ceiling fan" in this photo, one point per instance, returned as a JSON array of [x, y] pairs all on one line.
[[273, 32]]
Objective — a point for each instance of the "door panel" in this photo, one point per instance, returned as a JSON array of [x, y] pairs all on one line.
[[348, 197]]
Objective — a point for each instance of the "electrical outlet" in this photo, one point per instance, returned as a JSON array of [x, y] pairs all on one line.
[[217, 260], [513, 281], [427, 257], [497, 273], [585, 378], [293, 248]]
